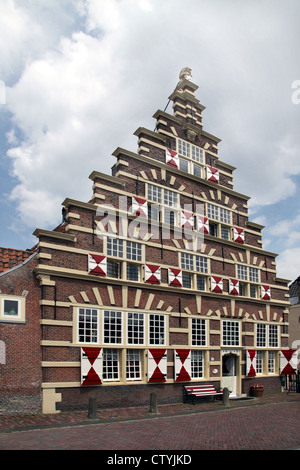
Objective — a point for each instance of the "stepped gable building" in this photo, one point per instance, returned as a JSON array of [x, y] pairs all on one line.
[[159, 280]]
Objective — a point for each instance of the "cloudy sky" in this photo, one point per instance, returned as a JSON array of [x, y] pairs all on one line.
[[78, 77]]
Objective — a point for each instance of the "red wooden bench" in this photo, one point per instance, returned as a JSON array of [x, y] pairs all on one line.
[[196, 391]]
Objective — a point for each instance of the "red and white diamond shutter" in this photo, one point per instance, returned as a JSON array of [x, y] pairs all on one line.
[[152, 274], [175, 277], [238, 235], [91, 366], [183, 368], [187, 220], [157, 365], [265, 292], [216, 284], [172, 158], [139, 207], [288, 361], [202, 224], [97, 265], [251, 363], [212, 174], [234, 287]]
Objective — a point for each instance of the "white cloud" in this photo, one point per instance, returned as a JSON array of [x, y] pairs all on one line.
[[288, 266], [86, 85], [28, 28]]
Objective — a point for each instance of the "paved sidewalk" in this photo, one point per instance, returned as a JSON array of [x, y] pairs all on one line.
[[70, 418], [271, 422]]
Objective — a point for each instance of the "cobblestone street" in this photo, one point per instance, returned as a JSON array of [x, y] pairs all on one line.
[[257, 425]]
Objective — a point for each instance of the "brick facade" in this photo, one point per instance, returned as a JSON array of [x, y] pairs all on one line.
[[162, 259]]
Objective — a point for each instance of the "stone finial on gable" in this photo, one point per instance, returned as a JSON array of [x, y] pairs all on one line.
[[185, 73]]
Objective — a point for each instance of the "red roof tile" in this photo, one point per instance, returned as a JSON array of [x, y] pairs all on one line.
[[10, 257]]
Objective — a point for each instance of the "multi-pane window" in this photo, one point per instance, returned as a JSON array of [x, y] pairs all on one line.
[[197, 154], [133, 364], [259, 362], [134, 251], [187, 280], [201, 283], [253, 291], [271, 362], [110, 364], [242, 289], [132, 272], [248, 273], [261, 332], [197, 170], [196, 364], [201, 264], [267, 335], [253, 275], [191, 262], [113, 269], [213, 212], [183, 164], [88, 325], [242, 272], [112, 327], [156, 329], [225, 233], [115, 247], [158, 194], [170, 198], [219, 213], [225, 215], [273, 336], [184, 148], [187, 261], [231, 333], [135, 328], [198, 332], [190, 151], [154, 193]]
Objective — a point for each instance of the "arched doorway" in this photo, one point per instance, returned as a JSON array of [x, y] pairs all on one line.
[[230, 374]]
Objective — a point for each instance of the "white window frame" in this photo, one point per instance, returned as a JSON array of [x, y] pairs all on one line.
[[273, 340], [253, 274], [9, 317], [213, 211], [198, 332], [271, 362], [261, 335], [112, 339], [191, 151], [201, 264], [93, 325], [259, 362], [138, 326], [156, 333], [187, 261], [115, 353], [170, 198], [134, 251], [133, 365], [115, 247], [155, 193], [197, 364], [231, 333], [242, 272], [225, 215]]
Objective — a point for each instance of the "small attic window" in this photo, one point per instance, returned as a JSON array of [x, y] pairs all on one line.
[[12, 308]]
